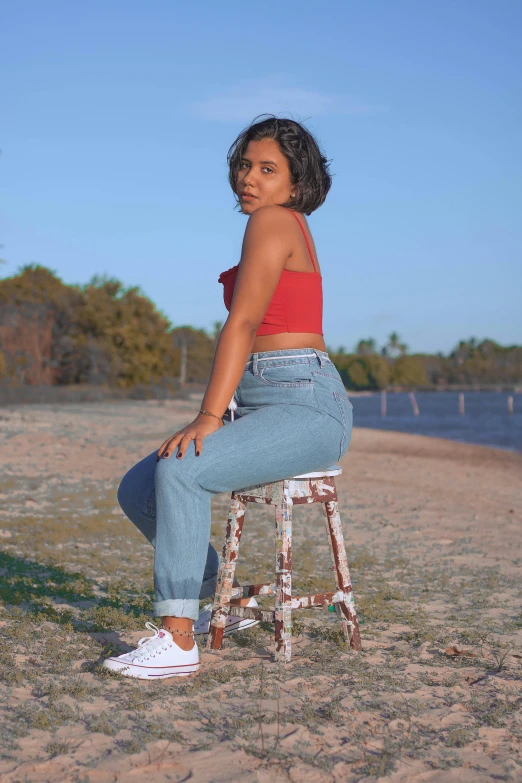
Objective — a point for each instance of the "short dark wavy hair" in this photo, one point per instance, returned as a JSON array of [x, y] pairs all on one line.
[[308, 165]]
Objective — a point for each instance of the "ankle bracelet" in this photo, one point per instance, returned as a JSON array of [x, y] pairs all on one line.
[[177, 633]]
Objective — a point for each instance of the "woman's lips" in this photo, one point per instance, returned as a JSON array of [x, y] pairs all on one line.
[[247, 195]]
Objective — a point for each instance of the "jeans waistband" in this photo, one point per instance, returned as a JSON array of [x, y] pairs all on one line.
[[286, 353]]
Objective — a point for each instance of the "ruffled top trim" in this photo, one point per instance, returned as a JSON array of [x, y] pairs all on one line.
[[227, 272]]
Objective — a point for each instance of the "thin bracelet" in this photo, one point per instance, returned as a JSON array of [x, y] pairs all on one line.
[[208, 413]]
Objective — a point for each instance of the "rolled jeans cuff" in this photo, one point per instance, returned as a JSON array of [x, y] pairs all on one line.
[[177, 607], [185, 607]]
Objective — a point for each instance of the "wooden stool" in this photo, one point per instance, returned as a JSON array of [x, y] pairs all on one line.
[[318, 487]]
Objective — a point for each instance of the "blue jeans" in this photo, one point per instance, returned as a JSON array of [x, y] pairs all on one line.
[[293, 417]]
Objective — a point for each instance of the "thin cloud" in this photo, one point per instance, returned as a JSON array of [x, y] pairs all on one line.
[[383, 317], [250, 98]]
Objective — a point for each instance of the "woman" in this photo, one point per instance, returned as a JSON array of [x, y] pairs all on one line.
[[293, 415]]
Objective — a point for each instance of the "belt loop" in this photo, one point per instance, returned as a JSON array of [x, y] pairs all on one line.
[[254, 363], [322, 360]]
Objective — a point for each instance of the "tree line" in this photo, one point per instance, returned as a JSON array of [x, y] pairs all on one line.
[[103, 333], [471, 363]]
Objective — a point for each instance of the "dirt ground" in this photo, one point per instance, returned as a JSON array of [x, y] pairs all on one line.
[[434, 540]]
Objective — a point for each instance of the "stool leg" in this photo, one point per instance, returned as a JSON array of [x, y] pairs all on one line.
[[283, 575], [227, 569], [346, 609]]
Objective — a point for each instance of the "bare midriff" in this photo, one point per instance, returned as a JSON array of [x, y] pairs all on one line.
[[278, 342]]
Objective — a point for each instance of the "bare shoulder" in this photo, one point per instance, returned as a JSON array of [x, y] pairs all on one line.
[[270, 217], [268, 235]]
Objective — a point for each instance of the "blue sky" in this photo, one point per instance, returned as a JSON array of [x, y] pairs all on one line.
[[116, 118]]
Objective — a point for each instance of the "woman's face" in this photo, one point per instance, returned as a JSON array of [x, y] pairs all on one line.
[[264, 175]]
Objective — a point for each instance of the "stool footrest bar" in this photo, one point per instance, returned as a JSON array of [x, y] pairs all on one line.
[[251, 613], [313, 601], [267, 588]]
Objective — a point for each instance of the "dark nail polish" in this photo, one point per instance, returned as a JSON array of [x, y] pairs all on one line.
[[197, 453], [179, 456]]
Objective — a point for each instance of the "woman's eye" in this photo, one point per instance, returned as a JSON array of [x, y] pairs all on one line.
[[266, 168]]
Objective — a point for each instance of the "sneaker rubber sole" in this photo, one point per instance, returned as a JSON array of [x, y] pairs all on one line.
[[142, 672]]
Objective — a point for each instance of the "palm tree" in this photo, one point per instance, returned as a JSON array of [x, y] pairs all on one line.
[[394, 348], [366, 347]]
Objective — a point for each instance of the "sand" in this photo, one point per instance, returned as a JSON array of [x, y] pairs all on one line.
[[434, 543]]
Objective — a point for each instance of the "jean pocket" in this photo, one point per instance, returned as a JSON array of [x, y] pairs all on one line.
[[333, 375], [287, 376], [346, 411]]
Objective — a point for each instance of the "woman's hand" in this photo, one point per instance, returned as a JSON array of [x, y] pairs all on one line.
[[197, 430]]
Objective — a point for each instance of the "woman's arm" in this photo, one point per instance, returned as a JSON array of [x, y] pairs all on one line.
[[266, 248]]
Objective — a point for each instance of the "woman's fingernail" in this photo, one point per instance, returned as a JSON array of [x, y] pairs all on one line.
[[197, 453], [165, 455], [179, 456]]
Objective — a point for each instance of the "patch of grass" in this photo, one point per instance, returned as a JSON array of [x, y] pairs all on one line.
[[496, 711], [130, 746], [380, 763], [102, 724], [459, 737], [109, 618], [61, 747], [46, 717], [329, 634]]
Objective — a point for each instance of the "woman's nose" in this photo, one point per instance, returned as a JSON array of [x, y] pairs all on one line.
[[249, 177]]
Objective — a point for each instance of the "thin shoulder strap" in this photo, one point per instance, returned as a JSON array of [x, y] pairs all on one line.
[[306, 239]]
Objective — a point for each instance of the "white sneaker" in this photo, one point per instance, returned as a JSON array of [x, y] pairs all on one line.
[[233, 623], [155, 657]]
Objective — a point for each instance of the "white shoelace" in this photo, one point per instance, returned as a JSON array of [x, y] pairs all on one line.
[[149, 646]]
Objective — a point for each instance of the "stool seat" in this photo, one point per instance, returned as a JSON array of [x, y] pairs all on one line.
[[315, 487], [335, 470]]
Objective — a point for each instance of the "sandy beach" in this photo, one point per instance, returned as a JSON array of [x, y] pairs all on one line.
[[434, 542]]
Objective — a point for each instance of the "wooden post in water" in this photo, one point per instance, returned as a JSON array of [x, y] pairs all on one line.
[[414, 404], [462, 408], [383, 402], [510, 404]]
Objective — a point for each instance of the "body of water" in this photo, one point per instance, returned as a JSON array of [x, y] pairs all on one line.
[[486, 420]]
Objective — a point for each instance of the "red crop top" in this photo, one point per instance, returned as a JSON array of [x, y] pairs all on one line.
[[297, 303]]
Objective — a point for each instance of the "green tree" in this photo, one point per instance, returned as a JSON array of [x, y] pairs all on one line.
[[122, 338], [357, 375], [363, 372], [408, 371], [37, 323]]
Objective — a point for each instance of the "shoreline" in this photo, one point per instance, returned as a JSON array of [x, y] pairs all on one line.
[[440, 437]]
